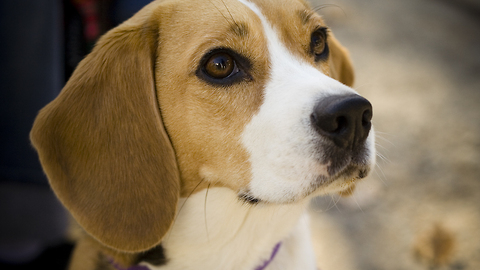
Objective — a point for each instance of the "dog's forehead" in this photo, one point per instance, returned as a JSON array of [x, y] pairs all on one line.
[[281, 13], [292, 22], [286, 16], [236, 24]]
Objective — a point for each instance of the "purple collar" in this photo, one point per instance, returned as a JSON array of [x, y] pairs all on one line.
[[260, 267], [272, 256], [133, 267]]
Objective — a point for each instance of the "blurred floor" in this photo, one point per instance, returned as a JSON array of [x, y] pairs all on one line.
[[418, 62]]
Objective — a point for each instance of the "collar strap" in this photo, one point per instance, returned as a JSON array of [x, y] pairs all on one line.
[[272, 256], [133, 267], [260, 267]]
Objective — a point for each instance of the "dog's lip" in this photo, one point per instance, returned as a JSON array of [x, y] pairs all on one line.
[[350, 173], [248, 198]]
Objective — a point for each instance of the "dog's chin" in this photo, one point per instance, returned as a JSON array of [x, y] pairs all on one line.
[[343, 182]]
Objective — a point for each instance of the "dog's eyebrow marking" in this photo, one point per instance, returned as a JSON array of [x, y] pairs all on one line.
[[305, 16], [223, 15], [240, 29]]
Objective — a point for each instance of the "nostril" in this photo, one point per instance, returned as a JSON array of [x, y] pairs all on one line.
[[329, 123], [341, 124], [366, 119]]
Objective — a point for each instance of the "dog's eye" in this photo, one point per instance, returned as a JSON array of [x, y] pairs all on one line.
[[224, 67], [318, 44], [220, 66]]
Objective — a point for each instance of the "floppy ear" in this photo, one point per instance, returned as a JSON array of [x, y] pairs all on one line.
[[341, 68], [103, 145]]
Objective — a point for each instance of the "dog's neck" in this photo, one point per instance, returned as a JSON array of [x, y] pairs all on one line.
[[215, 229], [263, 266]]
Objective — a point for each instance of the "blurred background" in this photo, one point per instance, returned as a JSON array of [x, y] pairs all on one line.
[[417, 61], [41, 43]]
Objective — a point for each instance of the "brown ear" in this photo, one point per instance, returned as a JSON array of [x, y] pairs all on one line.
[[341, 68], [103, 145]]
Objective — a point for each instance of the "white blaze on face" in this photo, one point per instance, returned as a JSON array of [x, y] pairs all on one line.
[[284, 149]]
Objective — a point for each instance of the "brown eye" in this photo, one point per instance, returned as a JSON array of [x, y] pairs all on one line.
[[223, 67], [220, 66], [318, 44]]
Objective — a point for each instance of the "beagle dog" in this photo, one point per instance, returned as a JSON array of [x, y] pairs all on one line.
[[195, 133]]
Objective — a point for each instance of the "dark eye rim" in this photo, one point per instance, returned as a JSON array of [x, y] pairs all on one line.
[[323, 31], [240, 70]]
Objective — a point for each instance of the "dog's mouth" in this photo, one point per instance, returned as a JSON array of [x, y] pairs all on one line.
[[344, 178], [342, 173], [247, 198]]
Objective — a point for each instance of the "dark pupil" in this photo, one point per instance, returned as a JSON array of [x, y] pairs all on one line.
[[318, 45], [219, 66]]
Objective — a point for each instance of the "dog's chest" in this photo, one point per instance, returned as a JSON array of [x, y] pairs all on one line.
[[215, 230]]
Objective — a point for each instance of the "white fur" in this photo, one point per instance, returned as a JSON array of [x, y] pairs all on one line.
[[215, 230], [283, 146]]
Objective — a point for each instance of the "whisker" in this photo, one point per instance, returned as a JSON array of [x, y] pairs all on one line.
[[382, 157], [183, 204], [377, 136], [381, 146], [181, 207], [382, 154], [330, 205], [219, 11], [228, 10], [320, 7], [355, 199], [381, 132], [364, 85], [380, 176], [334, 203], [336, 206], [205, 212]]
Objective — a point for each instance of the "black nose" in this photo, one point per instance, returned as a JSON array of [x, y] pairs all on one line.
[[345, 120]]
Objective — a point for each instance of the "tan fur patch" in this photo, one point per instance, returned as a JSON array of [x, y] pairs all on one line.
[[295, 30], [103, 146], [205, 121]]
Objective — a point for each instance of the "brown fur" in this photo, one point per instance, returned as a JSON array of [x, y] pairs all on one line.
[[340, 65], [296, 28], [104, 148], [203, 120], [134, 128]]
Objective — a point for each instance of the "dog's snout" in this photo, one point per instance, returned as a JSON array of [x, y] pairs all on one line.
[[345, 120]]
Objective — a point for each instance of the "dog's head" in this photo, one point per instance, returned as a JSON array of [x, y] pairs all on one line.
[[252, 96]]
